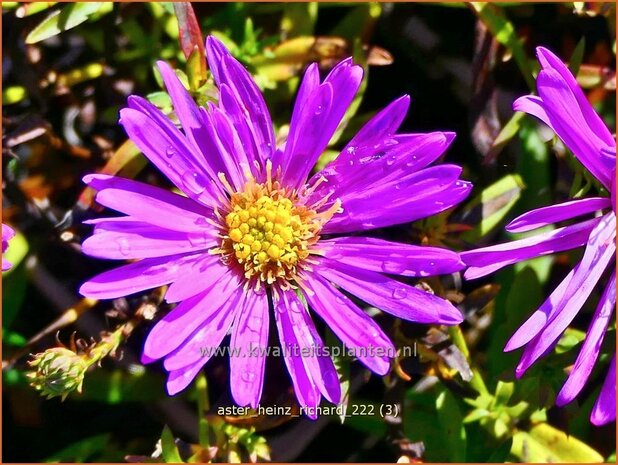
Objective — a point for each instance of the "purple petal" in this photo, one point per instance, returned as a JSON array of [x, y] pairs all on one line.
[[7, 233], [570, 124], [226, 143], [202, 274], [175, 327], [178, 380], [604, 409], [550, 61], [139, 276], [391, 296], [489, 259], [600, 251], [150, 204], [204, 342], [391, 257], [532, 105], [354, 327], [6, 265], [410, 198], [589, 352], [316, 116], [319, 365], [537, 321], [254, 116], [307, 392], [250, 336], [564, 211], [136, 239], [171, 152], [382, 126], [359, 168]]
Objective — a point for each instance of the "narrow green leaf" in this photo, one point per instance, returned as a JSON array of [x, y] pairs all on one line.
[[490, 207], [169, 450], [64, 19], [451, 421], [502, 29]]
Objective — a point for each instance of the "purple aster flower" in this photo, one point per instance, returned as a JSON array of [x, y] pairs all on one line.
[[562, 105], [7, 235], [253, 234]]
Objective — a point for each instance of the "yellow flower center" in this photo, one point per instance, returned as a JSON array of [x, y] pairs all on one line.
[[269, 232]]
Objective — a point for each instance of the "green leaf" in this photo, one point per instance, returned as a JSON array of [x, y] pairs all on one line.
[[299, 19], [544, 443], [578, 55], [492, 205], [451, 421], [84, 450], [502, 29], [504, 391], [169, 450], [62, 20]]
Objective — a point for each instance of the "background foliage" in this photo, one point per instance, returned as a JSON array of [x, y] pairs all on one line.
[[68, 69]]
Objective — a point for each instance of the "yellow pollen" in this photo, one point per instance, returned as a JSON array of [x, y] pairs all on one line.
[[269, 232]]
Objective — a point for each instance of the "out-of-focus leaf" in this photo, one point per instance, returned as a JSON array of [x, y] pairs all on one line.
[[503, 30], [501, 453], [577, 57], [452, 425], [84, 450], [77, 76], [11, 338], [161, 100], [27, 9], [359, 22], [508, 131], [127, 161], [490, 207], [299, 19], [544, 443], [504, 391], [117, 386], [169, 450], [590, 76], [68, 17], [13, 94], [521, 294], [569, 339]]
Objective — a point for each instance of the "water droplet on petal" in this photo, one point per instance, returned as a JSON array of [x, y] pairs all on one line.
[[400, 293], [169, 152], [248, 376], [201, 221], [319, 109], [393, 267], [194, 182], [123, 246]]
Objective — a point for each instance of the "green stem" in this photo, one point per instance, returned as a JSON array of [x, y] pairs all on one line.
[[203, 405]]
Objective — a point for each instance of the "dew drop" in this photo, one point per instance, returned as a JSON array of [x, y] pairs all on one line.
[[393, 267], [399, 293], [255, 323], [248, 376], [169, 152], [351, 150], [194, 182], [319, 109], [201, 221], [123, 246]]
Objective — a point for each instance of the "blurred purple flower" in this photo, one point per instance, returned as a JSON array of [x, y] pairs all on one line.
[[7, 235], [251, 223], [562, 105]]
